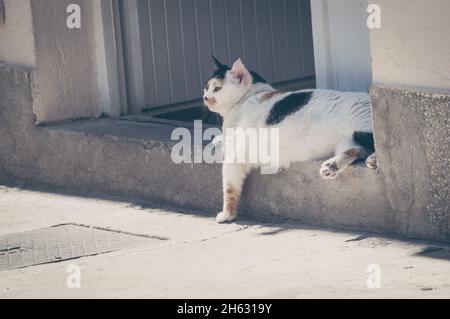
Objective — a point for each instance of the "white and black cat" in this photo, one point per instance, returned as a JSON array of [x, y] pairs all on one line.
[[313, 124]]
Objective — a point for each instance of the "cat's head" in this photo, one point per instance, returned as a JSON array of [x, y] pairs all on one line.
[[228, 86]]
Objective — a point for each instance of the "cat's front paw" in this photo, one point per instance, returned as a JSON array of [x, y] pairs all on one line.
[[224, 217], [329, 170], [218, 141]]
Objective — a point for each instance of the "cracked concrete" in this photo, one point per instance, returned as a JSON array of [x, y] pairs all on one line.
[[202, 259]]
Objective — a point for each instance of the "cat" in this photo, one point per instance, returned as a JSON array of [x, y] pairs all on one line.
[[313, 124]]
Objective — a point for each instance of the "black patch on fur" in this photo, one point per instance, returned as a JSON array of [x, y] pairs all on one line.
[[257, 78], [222, 69], [287, 106], [221, 72], [364, 139]]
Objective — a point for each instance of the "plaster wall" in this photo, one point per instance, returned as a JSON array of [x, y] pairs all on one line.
[[411, 49], [65, 79], [16, 35]]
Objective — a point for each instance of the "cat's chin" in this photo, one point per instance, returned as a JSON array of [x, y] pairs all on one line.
[[212, 109], [224, 217]]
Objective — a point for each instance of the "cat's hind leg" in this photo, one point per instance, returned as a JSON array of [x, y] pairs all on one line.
[[346, 153], [371, 161], [233, 180]]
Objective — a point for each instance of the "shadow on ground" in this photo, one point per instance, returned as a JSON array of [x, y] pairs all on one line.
[[276, 226]]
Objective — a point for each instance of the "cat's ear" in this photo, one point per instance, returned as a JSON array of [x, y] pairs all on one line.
[[218, 64], [240, 72]]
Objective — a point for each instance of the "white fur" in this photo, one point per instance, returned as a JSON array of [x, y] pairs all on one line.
[[322, 128]]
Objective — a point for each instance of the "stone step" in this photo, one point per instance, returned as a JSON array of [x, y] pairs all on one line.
[[132, 159]]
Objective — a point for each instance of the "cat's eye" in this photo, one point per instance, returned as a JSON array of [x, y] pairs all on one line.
[[217, 89]]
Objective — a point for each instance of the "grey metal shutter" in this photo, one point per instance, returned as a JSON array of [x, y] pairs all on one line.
[[168, 44]]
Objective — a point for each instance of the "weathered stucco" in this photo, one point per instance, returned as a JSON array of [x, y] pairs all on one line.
[[409, 60], [16, 35], [412, 131], [411, 49], [65, 83], [65, 80]]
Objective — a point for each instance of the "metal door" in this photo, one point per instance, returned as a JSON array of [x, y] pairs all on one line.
[[168, 45]]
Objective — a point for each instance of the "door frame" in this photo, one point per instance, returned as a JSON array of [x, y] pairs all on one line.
[[341, 45], [118, 96], [110, 58]]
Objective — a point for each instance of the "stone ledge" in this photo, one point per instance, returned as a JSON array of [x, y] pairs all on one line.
[[137, 159], [132, 160]]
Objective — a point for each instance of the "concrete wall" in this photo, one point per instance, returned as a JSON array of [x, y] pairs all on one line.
[[412, 133], [412, 47], [65, 82], [411, 62], [16, 36]]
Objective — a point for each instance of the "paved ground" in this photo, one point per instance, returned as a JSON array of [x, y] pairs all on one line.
[[202, 259]]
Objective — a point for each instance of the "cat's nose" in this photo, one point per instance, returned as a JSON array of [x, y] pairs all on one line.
[[209, 101]]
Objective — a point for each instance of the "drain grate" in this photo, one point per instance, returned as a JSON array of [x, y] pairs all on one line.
[[63, 242]]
